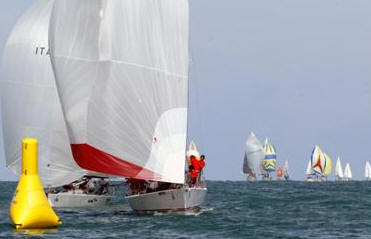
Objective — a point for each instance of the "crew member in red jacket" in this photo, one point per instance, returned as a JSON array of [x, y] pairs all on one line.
[[197, 166]]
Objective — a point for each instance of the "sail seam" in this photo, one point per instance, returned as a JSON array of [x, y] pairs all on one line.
[[127, 63]]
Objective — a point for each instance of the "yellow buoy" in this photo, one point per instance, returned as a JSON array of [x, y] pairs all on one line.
[[30, 207]]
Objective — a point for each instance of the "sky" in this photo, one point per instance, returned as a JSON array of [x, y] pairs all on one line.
[[298, 72]]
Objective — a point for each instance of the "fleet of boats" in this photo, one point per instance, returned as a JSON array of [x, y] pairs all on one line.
[[260, 162]]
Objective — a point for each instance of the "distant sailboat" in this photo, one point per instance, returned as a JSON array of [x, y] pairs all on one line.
[[328, 168], [254, 154], [318, 165], [339, 176], [347, 173], [286, 170], [368, 171], [279, 173], [309, 171], [270, 159]]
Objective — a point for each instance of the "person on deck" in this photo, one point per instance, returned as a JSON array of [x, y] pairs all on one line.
[[202, 162], [193, 174], [198, 165]]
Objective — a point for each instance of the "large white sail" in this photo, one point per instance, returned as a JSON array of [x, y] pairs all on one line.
[[347, 172], [254, 155], [30, 104], [338, 170], [122, 75]]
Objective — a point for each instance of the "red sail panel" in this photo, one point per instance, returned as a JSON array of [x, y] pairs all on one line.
[[93, 159]]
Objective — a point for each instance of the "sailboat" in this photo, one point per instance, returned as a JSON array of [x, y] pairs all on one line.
[[347, 173], [31, 108], [270, 160], [368, 171], [254, 155], [121, 69], [286, 170], [339, 176], [317, 165], [309, 171], [279, 173], [328, 167]]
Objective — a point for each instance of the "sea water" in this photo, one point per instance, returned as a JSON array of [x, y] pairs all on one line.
[[231, 210]]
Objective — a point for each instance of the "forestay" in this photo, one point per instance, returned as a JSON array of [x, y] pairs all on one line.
[[122, 74], [30, 104]]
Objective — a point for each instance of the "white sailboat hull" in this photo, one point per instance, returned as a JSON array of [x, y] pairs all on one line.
[[314, 179], [78, 200], [168, 200]]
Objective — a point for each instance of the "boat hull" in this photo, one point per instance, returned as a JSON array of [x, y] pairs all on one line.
[[314, 180], [71, 200], [183, 199]]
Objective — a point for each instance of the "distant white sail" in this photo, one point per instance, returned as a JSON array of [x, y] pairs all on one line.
[[30, 103], [347, 172], [309, 171], [286, 169], [338, 170], [254, 154], [368, 170], [121, 69], [286, 165]]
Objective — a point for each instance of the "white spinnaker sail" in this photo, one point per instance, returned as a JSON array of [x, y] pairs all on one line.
[[122, 75], [193, 150], [309, 171], [30, 104], [254, 155], [338, 169], [367, 170], [347, 172]]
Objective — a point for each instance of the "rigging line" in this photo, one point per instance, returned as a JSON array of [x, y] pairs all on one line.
[[196, 102]]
